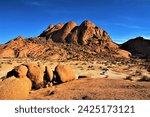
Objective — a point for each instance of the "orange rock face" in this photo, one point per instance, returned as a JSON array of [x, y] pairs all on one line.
[[63, 42], [21, 71], [36, 75], [15, 88], [84, 34], [64, 73], [49, 72], [60, 35]]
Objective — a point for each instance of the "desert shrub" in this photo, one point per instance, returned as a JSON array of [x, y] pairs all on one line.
[[148, 69], [2, 78], [105, 69], [128, 78], [91, 67], [84, 63], [9, 62], [83, 76], [137, 73], [145, 78]]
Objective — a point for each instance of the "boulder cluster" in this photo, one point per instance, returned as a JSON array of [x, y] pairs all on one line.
[[17, 86], [19, 81]]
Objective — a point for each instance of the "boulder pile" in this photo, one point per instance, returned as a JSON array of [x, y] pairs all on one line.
[[22, 79], [16, 88]]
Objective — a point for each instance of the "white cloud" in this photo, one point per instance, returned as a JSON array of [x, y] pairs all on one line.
[[127, 26], [35, 3]]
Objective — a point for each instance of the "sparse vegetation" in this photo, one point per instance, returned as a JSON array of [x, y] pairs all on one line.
[[136, 73], [148, 69], [128, 78], [86, 70], [145, 78]]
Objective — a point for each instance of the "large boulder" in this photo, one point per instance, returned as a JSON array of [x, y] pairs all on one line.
[[19, 71], [123, 54], [36, 75], [64, 73], [31, 70], [15, 88]]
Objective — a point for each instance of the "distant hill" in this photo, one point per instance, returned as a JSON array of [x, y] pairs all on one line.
[[138, 47], [65, 41]]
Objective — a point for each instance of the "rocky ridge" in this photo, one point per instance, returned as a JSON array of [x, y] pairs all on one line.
[[138, 47], [65, 41]]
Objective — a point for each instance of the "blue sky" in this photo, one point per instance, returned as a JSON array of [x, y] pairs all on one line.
[[122, 19]]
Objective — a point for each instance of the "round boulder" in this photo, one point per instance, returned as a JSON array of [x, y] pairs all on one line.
[[21, 71], [64, 73], [15, 88], [36, 75]]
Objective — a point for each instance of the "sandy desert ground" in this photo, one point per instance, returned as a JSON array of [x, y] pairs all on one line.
[[95, 89], [95, 80]]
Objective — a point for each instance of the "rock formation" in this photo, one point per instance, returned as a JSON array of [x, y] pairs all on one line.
[[14, 88], [63, 42], [85, 34], [36, 75], [64, 73], [139, 47], [49, 74]]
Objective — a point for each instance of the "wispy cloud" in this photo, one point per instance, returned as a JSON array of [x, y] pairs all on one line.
[[35, 3], [128, 18], [127, 26]]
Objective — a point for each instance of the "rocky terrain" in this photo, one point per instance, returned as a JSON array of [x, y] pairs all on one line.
[[94, 89], [67, 61], [65, 41], [90, 80]]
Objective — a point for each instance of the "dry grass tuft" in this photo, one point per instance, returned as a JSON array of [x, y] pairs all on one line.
[[145, 78]]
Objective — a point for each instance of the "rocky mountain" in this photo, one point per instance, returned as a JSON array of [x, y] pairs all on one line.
[[138, 47], [85, 34], [65, 41]]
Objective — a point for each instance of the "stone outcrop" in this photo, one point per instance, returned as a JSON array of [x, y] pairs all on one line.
[[64, 73], [16, 88], [139, 47], [21, 71], [35, 74], [61, 35], [85, 34], [63, 42]]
